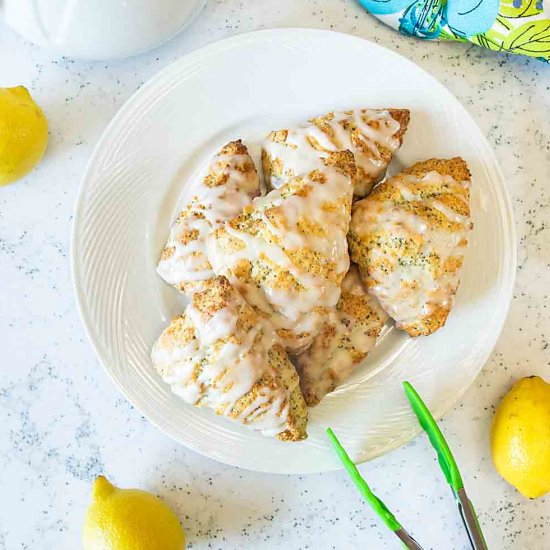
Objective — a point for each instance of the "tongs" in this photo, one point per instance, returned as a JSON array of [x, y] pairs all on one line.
[[447, 464]]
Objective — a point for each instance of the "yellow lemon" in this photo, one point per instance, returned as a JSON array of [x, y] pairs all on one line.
[[23, 134], [129, 519], [520, 437]]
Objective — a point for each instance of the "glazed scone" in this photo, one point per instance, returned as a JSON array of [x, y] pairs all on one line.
[[287, 252], [372, 135], [347, 337], [222, 355], [229, 183], [409, 237]]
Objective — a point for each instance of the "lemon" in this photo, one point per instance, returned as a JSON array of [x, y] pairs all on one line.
[[129, 519], [520, 437], [23, 134]]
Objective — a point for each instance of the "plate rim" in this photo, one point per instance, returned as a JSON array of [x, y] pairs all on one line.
[[276, 33]]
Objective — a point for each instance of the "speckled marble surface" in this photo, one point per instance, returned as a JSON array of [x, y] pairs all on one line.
[[62, 420]]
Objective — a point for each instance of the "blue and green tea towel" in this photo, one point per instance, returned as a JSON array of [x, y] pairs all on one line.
[[516, 26]]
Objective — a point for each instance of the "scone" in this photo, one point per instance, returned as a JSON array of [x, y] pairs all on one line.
[[409, 237], [347, 337], [287, 252], [229, 182], [372, 135], [222, 355]]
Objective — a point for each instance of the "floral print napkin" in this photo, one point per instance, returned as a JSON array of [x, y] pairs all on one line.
[[516, 26]]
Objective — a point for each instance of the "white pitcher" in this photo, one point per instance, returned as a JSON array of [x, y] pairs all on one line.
[[98, 29]]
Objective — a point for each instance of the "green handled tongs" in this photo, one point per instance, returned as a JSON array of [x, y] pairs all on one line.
[[448, 465], [376, 504]]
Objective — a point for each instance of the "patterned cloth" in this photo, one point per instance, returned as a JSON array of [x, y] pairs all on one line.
[[516, 26]]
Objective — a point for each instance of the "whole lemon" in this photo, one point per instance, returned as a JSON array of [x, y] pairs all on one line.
[[129, 519], [520, 437], [23, 134]]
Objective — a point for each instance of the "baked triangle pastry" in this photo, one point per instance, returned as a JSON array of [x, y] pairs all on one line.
[[287, 252], [409, 237], [346, 338], [229, 182], [372, 135], [223, 355]]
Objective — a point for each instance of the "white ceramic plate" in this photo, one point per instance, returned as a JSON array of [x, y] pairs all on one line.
[[242, 88]]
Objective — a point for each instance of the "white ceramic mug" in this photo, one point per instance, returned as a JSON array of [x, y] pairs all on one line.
[[98, 29]]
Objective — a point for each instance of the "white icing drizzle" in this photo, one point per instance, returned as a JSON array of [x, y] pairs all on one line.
[[283, 215], [409, 285], [349, 334], [345, 130], [184, 258], [222, 361]]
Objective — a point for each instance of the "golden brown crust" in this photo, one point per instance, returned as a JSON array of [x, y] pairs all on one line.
[[219, 174], [455, 167], [297, 413], [180, 330], [403, 116], [428, 324], [236, 147], [214, 296], [343, 161], [297, 418]]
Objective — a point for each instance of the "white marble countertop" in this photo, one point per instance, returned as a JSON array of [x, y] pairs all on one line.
[[63, 422]]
